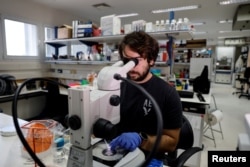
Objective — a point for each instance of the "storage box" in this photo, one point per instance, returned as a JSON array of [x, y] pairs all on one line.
[[64, 31], [197, 43], [110, 25], [84, 30], [39, 134]]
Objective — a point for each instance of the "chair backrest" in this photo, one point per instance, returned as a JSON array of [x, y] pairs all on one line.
[[186, 139], [247, 72]]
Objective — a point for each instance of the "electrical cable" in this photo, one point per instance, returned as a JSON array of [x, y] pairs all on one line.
[[116, 76], [158, 117], [15, 120]]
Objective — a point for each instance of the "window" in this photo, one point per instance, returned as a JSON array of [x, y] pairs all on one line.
[[21, 38]]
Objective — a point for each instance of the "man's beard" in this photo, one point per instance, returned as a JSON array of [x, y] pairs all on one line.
[[141, 76]]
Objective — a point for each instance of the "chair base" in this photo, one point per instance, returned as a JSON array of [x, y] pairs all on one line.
[[245, 95]]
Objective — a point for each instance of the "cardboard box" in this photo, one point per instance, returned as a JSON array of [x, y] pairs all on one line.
[[127, 28], [110, 25], [196, 43], [64, 31]]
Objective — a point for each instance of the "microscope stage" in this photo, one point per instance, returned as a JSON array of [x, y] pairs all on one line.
[[119, 158]]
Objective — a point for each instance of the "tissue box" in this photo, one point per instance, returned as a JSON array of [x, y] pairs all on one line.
[[110, 25], [64, 31]]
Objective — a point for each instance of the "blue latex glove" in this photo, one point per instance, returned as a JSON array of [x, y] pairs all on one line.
[[128, 141], [155, 163]]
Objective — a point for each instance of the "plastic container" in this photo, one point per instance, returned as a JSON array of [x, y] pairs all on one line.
[[157, 25], [173, 25], [179, 25], [40, 136], [162, 26], [156, 72], [167, 25], [185, 25]]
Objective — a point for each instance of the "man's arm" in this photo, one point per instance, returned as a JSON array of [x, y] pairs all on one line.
[[168, 143]]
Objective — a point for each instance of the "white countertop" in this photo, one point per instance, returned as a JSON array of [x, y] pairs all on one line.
[[195, 99], [11, 146]]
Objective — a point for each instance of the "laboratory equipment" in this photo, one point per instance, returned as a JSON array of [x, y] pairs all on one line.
[[40, 136], [95, 112], [244, 138]]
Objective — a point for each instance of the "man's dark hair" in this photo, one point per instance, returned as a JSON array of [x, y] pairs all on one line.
[[142, 43]]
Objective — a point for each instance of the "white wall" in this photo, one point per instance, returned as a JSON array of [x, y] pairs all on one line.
[[27, 10]]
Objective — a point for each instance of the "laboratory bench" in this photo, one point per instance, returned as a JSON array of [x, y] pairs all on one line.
[[30, 103], [193, 109], [12, 146], [37, 104], [23, 95]]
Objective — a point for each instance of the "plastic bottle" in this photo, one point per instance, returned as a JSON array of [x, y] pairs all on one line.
[[162, 26], [179, 24], [173, 25], [157, 25], [167, 26], [186, 85], [95, 86], [185, 25]]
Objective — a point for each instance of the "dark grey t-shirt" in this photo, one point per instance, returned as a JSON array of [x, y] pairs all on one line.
[[138, 113]]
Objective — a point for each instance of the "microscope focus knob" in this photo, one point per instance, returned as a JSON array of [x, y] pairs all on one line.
[[114, 100], [74, 122]]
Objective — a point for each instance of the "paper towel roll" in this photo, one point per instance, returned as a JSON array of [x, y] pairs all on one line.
[[213, 117]]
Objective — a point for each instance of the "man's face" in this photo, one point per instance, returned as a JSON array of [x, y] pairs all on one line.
[[141, 70]]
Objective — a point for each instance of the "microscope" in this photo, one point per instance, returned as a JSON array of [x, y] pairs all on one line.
[[92, 116]]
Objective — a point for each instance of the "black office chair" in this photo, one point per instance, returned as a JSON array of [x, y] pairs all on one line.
[[185, 143], [246, 81], [241, 81]]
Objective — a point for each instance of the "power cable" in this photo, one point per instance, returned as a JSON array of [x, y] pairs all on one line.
[[158, 117]]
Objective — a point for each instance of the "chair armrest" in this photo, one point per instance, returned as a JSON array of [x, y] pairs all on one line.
[[184, 156]]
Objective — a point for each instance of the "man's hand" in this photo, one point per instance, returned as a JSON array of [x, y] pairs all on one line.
[[129, 141]]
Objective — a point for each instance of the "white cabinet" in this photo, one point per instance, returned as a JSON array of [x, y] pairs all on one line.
[[224, 64], [223, 76]]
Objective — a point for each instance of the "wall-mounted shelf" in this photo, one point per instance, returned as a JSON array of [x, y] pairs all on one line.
[[116, 38], [79, 62], [182, 63], [186, 48], [57, 43], [68, 61], [77, 69]]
